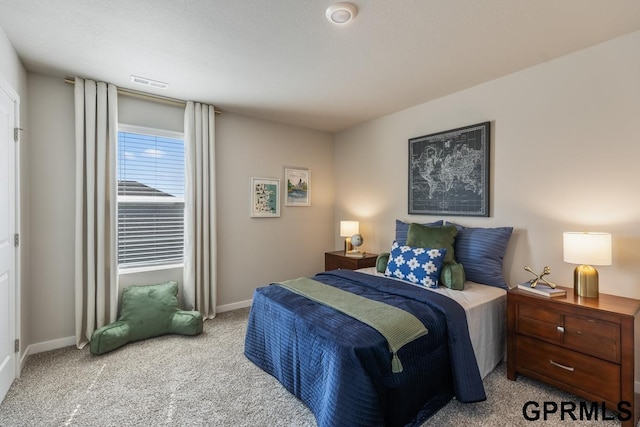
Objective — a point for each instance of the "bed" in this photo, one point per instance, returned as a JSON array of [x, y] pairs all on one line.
[[344, 370], [486, 308]]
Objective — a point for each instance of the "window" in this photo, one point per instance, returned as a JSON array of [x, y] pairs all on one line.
[[150, 173]]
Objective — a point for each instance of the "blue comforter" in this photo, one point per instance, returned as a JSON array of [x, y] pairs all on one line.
[[341, 368]]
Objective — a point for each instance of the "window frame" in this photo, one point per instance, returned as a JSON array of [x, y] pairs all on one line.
[[129, 128]]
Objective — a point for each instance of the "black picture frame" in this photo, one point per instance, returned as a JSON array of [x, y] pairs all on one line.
[[449, 172]]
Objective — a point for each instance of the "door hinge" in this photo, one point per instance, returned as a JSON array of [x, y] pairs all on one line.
[[17, 346], [16, 240], [16, 134]]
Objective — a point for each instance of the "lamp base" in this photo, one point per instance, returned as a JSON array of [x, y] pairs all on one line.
[[585, 281], [348, 247]]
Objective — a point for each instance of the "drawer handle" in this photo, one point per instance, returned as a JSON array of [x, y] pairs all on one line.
[[567, 368], [561, 329]]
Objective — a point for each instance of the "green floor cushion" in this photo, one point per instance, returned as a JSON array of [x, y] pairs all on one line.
[[146, 311]]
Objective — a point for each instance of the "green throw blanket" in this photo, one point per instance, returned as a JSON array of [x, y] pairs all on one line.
[[396, 325]]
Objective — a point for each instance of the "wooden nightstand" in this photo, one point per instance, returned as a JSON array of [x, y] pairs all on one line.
[[582, 345], [337, 259]]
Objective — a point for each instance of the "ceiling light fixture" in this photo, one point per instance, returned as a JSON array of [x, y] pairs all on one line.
[[341, 13], [148, 82]]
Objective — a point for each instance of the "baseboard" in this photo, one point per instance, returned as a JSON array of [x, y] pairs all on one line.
[[46, 346], [234, 306], [23, 361]]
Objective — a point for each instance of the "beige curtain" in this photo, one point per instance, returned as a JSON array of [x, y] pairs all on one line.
[[199, 287], [96, 269]]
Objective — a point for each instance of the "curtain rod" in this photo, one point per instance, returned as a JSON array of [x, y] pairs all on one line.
[[143, 95]]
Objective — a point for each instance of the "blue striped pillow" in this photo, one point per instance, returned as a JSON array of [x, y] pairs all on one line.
[[402, 228], [481, 252]]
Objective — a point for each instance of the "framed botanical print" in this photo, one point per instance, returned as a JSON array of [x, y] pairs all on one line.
[[265, 197]]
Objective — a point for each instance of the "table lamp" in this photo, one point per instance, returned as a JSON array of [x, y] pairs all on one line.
[[586, 249], [348, 229]]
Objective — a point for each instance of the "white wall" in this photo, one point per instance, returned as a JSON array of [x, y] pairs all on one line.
[[151, 114], [252, 252], [257, 251], [52, 209], [11, 67], [565, 157]]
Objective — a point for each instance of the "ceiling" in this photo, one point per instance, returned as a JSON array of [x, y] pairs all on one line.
[[282, 60]]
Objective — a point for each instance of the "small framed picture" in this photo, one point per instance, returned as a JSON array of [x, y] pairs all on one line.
[[265, 197], [298, 182]]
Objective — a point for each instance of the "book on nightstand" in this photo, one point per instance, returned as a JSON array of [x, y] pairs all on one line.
[[542, 289], [355, 254]]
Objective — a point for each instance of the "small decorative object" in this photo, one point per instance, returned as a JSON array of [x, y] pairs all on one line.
[[348, 229], [265, 197], [449, 172], [586, 249], [298, 182], [540, 278], [356, 242]]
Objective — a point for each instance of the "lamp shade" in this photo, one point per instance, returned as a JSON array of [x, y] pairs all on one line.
[[587, 248], [349, 228]]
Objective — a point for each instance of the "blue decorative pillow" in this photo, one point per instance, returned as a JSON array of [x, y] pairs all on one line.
[[481, 252], [402, 228], [416, 265]]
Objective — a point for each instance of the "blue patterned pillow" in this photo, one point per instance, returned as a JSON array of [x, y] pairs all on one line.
[[402, 228], [481, 251], [416, 265]]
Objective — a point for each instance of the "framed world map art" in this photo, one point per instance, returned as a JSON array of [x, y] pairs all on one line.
[[449, 172]]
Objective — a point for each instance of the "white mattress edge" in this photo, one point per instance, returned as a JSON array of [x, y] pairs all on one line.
[[486, 308]]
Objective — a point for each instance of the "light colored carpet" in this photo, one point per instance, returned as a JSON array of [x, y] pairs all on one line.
[[207, 381]]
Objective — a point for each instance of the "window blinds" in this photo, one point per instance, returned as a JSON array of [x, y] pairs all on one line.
[[150, 199]]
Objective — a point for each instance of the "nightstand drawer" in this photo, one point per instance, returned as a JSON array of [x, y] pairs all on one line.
[[539, 322], [342, 263], [583, 372], [593, 336], [589, 335], [331, 264]]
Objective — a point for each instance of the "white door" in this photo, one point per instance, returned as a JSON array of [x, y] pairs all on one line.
[[7, 247]]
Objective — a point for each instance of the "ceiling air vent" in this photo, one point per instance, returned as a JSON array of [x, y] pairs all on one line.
[[148, 82]]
